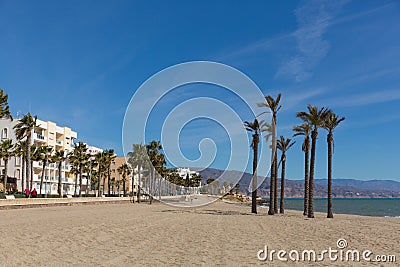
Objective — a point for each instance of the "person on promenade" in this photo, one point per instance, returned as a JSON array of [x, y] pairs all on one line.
[[34, 192], [27, 192]]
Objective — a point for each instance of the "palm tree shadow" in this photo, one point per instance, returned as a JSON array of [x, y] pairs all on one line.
[[208, 212]]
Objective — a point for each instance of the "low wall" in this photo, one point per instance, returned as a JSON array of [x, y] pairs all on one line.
[[43, 202]]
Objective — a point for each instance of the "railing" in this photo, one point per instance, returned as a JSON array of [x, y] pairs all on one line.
[[39, 136]]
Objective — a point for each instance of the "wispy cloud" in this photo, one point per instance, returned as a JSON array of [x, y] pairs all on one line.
[[313, 19], [367, 98], [263, 44]]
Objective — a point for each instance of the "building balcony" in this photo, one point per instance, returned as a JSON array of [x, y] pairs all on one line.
[[38, 137]]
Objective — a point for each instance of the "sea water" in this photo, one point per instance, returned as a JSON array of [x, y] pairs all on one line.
[[381, 207]]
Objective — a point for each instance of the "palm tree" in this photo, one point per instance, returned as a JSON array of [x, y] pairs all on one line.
[[99, 158], [124, 170], [36, 156], [316, 118], [6, 152], [305, 130], [109, 159], [4, 107], [255, 128], [45, 156], [89, 170], [59, 157], [274, 106], [137, 158], [20, 151], [74, 169], [23, 129], [283, 145], [153, 151], [331, 122], [80, 157]]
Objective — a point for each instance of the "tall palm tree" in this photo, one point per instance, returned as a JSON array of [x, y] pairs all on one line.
[[20, 151], [4, 107], [137, 158], [283, 145], [99, 158], [124, 170], [45, 156], [89, 170], [109, 159], [6, 152], [153, 152], [35, 156], [80, 157], [331, 122], [59, 157], [74, 169], [23, 129], [274, 106], [267, 128], [305, 129], [316, 118], [254, 127]]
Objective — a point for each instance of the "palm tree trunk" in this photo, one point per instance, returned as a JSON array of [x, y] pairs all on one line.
[[76, 184], [89, 177], [109, 180], [123, 184], [23, 174], [276, 183], [99, 181], [330, 143], [271, 188], [282, 209], [273, 191], [5, 176], [254, 186], [104, 184], [59, 189], [28, 161], [80, 180], [138, 192], [31, 174], [159, 187], [314, 136], [41, 178], [306, 182], [151, 182]]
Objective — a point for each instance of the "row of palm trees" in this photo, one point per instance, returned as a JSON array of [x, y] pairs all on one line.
[[312, 120], [154, 177]]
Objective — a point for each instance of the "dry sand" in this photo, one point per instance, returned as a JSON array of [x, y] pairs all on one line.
[[160, 235]]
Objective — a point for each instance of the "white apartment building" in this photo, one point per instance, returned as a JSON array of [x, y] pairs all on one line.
[[183, 172], [46, 133]]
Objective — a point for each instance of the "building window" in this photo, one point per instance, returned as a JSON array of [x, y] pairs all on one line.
[[17, 161], [4, 133]]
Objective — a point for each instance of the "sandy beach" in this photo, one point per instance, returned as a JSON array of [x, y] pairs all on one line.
[[161, 235]]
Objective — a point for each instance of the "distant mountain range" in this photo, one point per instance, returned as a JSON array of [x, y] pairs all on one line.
[[342, 188]]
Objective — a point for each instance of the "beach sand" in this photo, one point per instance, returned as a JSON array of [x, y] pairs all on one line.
[[161, 235]]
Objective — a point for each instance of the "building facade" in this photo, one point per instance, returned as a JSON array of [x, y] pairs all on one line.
[[131, 184], [46, 133]]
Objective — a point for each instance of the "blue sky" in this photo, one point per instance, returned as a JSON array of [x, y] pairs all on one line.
[[79, 63]]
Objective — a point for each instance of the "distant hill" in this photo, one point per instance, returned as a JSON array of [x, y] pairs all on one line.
[[369, 185], [349, 188]]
